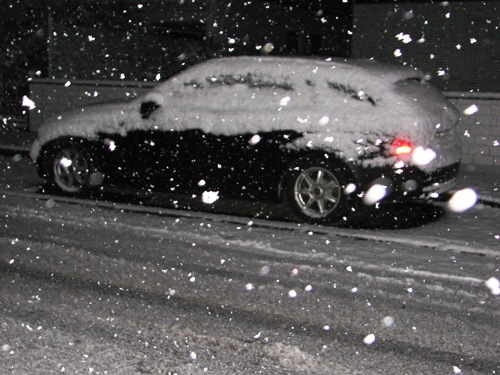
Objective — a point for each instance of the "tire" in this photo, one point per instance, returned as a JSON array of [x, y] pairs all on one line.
[[315, 191], [70, 168]]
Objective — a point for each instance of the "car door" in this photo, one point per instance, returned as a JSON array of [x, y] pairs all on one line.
[[169, 161], [252, 164], [248, 146]]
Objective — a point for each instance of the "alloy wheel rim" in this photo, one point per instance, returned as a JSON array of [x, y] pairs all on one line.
[[70, 170], [317, 192]]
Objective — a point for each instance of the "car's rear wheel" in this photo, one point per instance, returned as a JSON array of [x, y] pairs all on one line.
[[70, 169], [315, 191]]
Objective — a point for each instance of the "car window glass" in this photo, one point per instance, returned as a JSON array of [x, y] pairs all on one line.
[[353, 92], [251, 80]]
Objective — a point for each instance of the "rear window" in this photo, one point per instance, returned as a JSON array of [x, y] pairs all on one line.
[[251, 80], [406, 81], [353, 92]]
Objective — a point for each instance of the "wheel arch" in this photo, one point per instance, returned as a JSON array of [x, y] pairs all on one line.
[[68, 183], [43, 163]]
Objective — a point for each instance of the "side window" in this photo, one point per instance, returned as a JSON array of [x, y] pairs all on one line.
[[353, 92], [250, 80], [225, 80], [193, 83]]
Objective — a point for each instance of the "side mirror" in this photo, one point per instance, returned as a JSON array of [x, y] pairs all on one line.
[[147, 108]]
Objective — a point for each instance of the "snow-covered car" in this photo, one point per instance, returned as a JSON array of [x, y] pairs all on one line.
[[326, 136]]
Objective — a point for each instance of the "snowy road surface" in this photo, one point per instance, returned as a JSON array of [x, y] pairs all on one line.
[[87, 288]]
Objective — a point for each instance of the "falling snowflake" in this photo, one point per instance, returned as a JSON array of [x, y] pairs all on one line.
[[494, 285], [324, 120], [375, 194], [210, 197], [388, 321], [27, 102], [254, 140], [350, 188], [471, 110], [268, 48], [284, 101], [462, 200], [405, 38], [369, 339], [423, 156]]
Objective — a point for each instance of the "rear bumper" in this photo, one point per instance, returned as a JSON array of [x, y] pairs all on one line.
[[411, 182], [440, 181]]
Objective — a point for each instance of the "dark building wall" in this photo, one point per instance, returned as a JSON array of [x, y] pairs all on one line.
[[166, 37], [98, 53], [290, 30], [23, 50], [457, 42]]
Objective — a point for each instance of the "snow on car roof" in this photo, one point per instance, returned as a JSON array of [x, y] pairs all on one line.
[[340, 105], [359, 75], [355, 70]]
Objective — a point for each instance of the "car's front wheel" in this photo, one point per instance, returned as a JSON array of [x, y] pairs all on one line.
[[316, 193], [70, 169]]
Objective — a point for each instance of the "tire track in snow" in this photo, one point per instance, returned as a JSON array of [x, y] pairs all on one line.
[[251, 248], [272, 320], [434, 243]]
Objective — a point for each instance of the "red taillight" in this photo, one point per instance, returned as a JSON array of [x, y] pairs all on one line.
[[401, 147]]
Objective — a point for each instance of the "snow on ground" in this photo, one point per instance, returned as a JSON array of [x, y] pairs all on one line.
[[97, 289], [94, 287], [475, 230]]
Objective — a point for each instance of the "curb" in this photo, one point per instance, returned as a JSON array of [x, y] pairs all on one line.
[[12, 151]]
